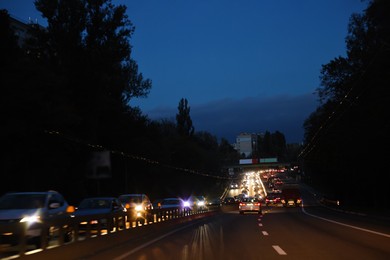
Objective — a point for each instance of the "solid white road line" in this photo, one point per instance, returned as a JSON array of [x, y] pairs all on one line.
[[346, 225], [279, 250]]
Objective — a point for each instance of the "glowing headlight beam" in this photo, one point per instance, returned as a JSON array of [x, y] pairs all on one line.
[[31, 219]]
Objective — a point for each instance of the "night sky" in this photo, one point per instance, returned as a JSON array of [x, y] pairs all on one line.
[[244, 66]]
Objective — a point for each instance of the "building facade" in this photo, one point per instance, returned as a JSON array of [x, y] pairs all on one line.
[[246, 144]]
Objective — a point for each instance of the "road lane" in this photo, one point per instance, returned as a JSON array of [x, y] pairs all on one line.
[[280, 232]]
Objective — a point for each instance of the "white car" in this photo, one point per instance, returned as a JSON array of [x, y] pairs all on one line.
[[249, 204], [32, 209]]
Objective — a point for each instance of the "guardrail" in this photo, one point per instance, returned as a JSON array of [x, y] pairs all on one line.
[[67, 230]]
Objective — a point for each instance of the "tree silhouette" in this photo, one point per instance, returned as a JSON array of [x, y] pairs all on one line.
[[88, 43], [183, 119], [343, 135]]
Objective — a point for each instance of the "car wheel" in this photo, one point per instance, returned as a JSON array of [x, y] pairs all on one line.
[[37, 242], [150, 218], [68, 236]]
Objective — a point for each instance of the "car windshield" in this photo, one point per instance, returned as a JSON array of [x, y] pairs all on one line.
[[22, 201], [171, 202], [95, 204], [199, 198], [131, 199]]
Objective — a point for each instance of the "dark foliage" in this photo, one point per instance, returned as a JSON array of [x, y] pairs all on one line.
[[346, 137], [66, 92]]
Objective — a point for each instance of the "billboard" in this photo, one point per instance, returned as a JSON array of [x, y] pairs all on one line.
[[99, 165], [257, 161]]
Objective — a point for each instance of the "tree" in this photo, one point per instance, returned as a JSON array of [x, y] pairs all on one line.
[[183, 119], [343, 135], [88, 42], [77, 77], [272, 145], [229, 155]]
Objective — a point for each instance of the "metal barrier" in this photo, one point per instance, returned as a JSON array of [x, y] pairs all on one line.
[[68, 229]]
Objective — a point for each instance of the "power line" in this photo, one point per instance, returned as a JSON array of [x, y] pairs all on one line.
[[134, 157]]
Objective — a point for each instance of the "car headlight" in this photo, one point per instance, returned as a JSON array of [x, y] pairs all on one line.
[[201, 203], [186, 204], [138, 208], [31, 219]]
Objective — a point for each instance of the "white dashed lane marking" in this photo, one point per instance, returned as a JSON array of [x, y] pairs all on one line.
[[265, 233], [279, 250]]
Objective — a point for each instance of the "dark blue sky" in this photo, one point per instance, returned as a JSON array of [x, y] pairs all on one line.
[[244, 66]]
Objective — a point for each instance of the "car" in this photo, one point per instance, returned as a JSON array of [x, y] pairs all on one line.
[[101, 206], [33, 210], [157, 203], [291, 196], [229, 200], [138, 206], [250, 204], [234, 186], [198, 202], [174, 203], [273, 198], [214, 202]]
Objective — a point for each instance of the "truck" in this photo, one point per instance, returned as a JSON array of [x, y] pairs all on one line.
[[291, 196]]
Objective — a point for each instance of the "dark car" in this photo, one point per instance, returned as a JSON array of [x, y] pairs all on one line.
[[214, 202], [138, 206], [273, 199], [157, 203], [234, 185], [33, 210], [291, 196], [229, 200], [174, 203], [107, 211], [198, 202]]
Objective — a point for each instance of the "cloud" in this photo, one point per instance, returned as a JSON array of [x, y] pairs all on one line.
[[226, 118]]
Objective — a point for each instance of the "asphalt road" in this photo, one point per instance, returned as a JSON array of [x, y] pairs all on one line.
[[309, 232], [292, 233]]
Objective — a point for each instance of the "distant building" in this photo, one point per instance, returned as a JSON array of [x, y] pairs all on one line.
[[246, 144], [22, 30]]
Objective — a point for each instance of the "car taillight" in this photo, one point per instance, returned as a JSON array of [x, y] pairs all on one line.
[[257, 204], [242, 204]]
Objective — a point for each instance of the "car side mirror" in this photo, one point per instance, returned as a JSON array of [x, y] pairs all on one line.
[[54, 205]]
